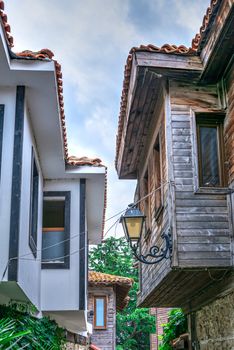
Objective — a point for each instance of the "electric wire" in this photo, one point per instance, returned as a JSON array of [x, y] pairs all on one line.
[[22, 257]]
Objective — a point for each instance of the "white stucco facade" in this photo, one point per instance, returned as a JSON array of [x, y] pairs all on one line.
[[32, 122]]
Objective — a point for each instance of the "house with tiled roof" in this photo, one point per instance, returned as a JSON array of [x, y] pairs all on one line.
[[51, 205], [175, 137], [106, 294]]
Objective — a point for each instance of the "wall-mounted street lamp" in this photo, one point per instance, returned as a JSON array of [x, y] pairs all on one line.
[[133, 223]]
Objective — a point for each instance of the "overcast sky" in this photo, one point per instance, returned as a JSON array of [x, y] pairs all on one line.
[[91, 39]]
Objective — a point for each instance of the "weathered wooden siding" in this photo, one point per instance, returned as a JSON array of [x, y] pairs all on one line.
[[103, 338], [152, 275], [229, 124], [202, 220]]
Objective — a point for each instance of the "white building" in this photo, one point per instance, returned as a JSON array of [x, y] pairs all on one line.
[[51, 205]]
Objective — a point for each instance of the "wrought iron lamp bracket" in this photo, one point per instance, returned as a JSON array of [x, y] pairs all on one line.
[[155, 254]]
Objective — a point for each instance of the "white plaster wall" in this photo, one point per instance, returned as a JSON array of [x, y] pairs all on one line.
[[60, 288], [29, 268], [7, 98]]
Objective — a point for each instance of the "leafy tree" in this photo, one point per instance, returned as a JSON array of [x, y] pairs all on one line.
[[133, 325], [177, 325], [20, 330]]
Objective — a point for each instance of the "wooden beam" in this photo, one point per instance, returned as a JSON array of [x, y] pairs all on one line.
[[173, 61]]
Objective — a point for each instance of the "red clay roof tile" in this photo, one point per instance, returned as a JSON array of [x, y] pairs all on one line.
[[5, 25], [196, 42], [107, 279]]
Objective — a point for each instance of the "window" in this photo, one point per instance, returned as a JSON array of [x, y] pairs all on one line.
[[157, 178], [33, 216], [56, 230], [210, 151], [100, 312]]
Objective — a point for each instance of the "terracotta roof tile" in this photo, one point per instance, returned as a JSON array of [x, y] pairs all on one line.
[[122, 285], [73, 160], [207, 19], [5, 25], [167, 49], [107, 279], [42, 54]]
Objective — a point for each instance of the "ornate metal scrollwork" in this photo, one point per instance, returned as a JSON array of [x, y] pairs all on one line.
[[156, 254]]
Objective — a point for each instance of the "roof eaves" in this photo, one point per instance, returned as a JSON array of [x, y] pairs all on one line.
[[166, 49]]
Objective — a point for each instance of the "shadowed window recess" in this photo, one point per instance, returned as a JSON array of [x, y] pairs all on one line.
[[210, 151], [56, 230]]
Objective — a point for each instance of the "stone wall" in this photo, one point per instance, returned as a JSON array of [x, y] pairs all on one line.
[[104, 339], [215, 324]]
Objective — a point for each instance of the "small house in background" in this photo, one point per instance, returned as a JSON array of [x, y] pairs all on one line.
[[106, 294], [51, 205], [175, 137]]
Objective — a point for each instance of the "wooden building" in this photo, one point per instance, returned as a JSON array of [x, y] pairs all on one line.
[[106, 294], [176, 137]]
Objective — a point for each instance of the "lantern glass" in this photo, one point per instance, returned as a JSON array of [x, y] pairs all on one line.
[[134, 227]]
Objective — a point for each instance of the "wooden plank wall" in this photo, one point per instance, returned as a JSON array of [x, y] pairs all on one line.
[[229, 123], [202, 220], [229, 140], [152, 275]]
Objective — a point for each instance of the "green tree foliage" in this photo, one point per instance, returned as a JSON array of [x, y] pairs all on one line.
[[177, 325], [19, 330], [133, 325]]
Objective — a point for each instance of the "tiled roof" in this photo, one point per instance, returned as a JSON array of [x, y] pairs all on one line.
[[207, 19], [122, 286], [73, 160], [6, 26], [167, 49], [46, 54], [107, 279]]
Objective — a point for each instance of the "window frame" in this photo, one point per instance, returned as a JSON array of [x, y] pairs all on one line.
[[67, 213], [33, 209], [209, 120], [104, 297]]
